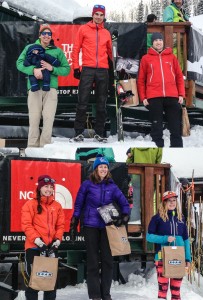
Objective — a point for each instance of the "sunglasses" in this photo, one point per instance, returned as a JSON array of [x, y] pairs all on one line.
[[46, 180], [46, 32], [99, 6]]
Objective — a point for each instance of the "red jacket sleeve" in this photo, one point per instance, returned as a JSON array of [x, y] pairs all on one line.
[[76, 48], [179, 78], [142, 78], [60, 224]]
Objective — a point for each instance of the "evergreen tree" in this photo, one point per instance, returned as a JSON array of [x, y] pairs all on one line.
[[188, 6], [146, 12], [153, 7], [132, 16], [140, 12], [200, 7], [157, 10]]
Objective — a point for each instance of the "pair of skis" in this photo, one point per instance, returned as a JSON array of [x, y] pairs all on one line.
[[118, 106]]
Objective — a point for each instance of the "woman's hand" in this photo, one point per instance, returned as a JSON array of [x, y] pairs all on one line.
[[171, 239]]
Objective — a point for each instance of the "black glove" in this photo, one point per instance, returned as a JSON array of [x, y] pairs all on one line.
[[77, 73], [123, 220], [122, 74], [73, 228]]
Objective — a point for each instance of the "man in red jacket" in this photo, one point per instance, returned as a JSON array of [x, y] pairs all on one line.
[[161, 88], [96, 45]]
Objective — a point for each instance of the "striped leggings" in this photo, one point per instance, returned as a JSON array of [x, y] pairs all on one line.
[[163, 283]]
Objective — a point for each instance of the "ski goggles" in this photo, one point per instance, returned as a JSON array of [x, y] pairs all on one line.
[[46, 33], [48, 180], [99, 6]]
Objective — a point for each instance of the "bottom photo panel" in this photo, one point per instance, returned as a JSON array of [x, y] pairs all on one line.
[[102, 223]]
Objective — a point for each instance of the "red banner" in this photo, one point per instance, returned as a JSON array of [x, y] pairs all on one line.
[[64, 35], [24, 176]]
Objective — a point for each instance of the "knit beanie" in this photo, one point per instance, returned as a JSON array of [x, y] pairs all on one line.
[[97, 8], [100, 160], [43, 27], [44, 180], [184, 181], [157, 36], [182, 1]]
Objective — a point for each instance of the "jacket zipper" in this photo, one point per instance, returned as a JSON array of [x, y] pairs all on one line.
[[97, 37], [152, 73], [174, 229], [48, 224], [172, 71], [162, 73]]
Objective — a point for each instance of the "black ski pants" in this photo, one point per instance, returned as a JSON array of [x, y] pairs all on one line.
[[173, 114], [31, 294], [100, 77], [98, 250]]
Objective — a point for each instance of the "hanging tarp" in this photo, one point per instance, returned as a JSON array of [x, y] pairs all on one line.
[[14, 36], [195, 55], [131, 39]]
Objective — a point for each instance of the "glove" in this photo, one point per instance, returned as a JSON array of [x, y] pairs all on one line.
[[123, 220], [73, 228], [77, 73], [122, 74], [53, 247], [41, 245]]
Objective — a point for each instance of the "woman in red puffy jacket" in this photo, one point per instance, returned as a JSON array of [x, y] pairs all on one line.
[[42, 221]]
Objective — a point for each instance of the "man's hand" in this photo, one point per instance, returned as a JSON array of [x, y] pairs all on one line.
[[145, 102], [46, 65], [180, 99], [38, 73], [77, 73]]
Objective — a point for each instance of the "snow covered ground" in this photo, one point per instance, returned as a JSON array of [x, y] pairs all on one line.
[[137, 288], [183, 160]]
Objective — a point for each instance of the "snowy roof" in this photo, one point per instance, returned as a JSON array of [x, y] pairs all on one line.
[[49, 10]]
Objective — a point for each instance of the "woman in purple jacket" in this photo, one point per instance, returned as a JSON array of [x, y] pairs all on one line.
[[96, 192]]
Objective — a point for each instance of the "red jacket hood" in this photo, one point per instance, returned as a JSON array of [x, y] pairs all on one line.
[[94, 25], [166, 51]]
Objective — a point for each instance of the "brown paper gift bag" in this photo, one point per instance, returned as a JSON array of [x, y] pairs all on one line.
[[118, 240], [185, 122], [173, 261], [44, 273], [130, 85]]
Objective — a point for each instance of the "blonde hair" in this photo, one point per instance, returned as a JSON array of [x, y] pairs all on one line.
[[163, 211]]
